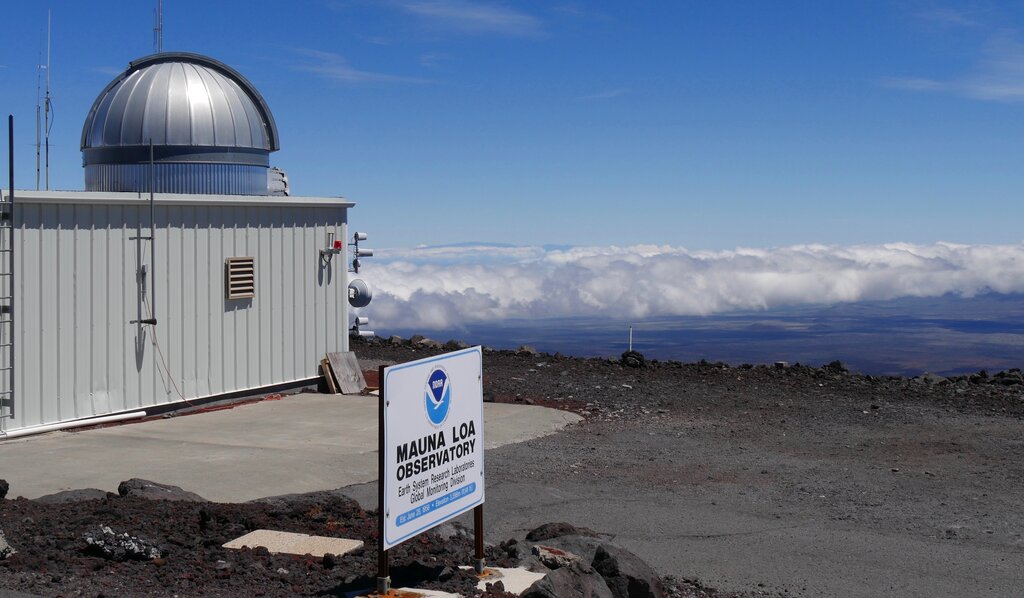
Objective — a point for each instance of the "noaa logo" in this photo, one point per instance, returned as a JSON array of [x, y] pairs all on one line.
[[438, 397]]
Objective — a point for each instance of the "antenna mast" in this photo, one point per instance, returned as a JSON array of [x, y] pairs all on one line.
[[158, 28], [47, 105], [39, 98]]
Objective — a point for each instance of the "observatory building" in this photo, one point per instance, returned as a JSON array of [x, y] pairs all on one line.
[[176, 275]]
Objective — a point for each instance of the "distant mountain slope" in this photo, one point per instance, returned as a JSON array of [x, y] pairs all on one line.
[[906, 336]]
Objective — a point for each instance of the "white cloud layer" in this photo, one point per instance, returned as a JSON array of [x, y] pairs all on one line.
[[445, 287]]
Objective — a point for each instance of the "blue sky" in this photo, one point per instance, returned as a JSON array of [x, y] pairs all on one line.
[[705, 125]]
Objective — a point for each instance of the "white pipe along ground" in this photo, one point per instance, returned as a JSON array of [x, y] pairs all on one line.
[[72, 424]]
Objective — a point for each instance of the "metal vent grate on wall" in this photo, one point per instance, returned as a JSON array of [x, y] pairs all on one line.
[[240, 277]]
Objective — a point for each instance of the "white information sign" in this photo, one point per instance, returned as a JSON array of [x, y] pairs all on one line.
[[433, 442]]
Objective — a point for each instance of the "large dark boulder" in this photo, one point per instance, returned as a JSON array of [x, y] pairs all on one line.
[[421, 342], [633, 359], [569, 582], [137, 488], [4, 487], [318, 506], [1008, 378], [66, 496], [419, 572], [626, 575], [931, 379]]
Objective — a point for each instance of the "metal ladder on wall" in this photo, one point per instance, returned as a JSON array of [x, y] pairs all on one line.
[[7, 293], [6, 308]]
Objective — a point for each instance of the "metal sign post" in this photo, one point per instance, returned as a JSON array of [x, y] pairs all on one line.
[[478, 538], [430, 450], [383, 575]]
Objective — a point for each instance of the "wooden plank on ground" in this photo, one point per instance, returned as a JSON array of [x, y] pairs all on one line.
[[325, 367], [346, 368]]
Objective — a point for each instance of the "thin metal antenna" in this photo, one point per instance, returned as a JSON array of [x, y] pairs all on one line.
[[47, 109], [39, 124], [158, 28]]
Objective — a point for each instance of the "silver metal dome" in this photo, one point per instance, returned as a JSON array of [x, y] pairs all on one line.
[[210, 130]]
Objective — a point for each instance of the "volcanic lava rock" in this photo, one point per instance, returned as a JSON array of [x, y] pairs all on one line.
[[6, 549], [556, 529], [1008, 378], [555, 558], [139, 488], [626, 575], [576, 581], [4, 487], [583, 546], [106, 543], [931, 379], [633, 359], [311, 505], [418, 572], [65, 496], [980, 378], [452, 529], [418, 341], [422, 342]]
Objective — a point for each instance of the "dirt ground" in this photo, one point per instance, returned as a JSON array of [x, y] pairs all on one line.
[[790, 480], [763, 480]]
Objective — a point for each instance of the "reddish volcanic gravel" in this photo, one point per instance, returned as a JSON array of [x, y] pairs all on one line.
[[54, 559]]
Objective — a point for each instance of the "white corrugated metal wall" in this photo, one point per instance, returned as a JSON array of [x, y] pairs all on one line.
[[78, 356]]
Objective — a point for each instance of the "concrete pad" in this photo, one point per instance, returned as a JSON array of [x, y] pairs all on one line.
[[515, 579], [301, 443], [291, 543]]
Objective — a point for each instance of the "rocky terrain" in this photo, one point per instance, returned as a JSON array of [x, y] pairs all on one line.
[[157, 540], [777, 478], [752, 479]]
